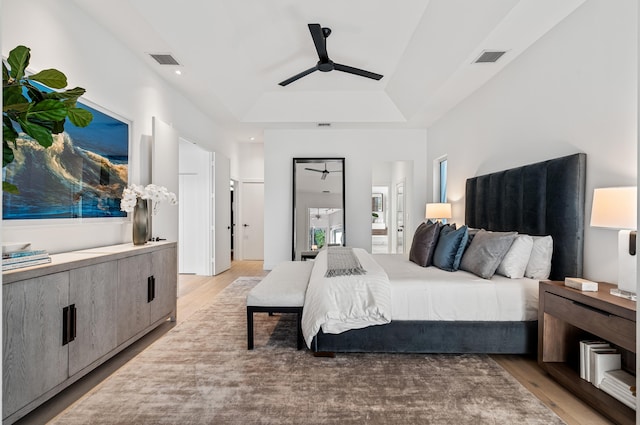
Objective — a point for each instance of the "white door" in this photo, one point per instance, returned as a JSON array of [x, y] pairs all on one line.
[[400, 221], [252, 221], [188, 251], [222, 214]]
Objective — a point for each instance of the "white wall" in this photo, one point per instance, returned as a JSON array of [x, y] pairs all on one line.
[[575, 90], [360, 148], [63, 37]]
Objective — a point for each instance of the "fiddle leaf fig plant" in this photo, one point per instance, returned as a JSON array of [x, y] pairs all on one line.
[[28, 108]]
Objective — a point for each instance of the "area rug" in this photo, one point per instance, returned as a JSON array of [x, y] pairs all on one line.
[[201, 372]]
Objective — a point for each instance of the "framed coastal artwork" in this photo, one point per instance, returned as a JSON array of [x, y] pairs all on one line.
[[81, 175]]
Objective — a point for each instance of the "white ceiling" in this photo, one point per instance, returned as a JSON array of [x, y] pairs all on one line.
[[234, 53]]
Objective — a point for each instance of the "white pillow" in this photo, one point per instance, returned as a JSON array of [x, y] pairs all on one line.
[[539, 266], [515, 262]]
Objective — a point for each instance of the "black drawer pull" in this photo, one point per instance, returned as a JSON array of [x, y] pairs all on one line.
[[595, 310], [72, 322], [65, 325], [150, 289]]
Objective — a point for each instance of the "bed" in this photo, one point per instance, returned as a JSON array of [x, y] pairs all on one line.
[[545, 198]]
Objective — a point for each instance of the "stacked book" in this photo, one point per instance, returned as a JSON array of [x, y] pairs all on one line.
[[621, 385], [600, 364], [24, 258]]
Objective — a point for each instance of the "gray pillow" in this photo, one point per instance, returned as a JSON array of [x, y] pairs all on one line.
[[486, 251], [424, 244]]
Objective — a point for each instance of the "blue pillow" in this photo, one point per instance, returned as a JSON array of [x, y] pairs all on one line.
[[451, 245]]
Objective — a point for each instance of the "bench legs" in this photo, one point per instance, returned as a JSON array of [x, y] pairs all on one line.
[[271, 310]]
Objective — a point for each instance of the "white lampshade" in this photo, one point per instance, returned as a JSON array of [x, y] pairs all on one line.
[[438, 211], [614, 207]]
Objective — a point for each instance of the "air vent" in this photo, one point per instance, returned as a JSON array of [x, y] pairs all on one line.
[[324, 124], [164, 58], [489, 56]]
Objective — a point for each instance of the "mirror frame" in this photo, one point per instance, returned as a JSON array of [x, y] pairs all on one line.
[[293, 206]]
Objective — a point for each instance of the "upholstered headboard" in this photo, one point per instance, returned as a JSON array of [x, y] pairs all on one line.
[[545, 198]]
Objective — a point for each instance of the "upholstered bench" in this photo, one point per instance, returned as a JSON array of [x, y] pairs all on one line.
[[281, 291]]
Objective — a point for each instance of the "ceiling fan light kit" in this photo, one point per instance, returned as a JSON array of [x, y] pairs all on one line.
[[325, 64]]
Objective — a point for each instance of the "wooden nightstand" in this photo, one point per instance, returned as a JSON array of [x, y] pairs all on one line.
[[565, 317]]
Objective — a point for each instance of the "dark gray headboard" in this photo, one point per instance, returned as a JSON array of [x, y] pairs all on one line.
[[545, 198]]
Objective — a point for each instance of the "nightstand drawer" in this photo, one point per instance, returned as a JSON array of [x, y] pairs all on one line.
[[617, 330]]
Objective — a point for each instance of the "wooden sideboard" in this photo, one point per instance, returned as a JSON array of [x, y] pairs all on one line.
[[565, 317], [61, 320]]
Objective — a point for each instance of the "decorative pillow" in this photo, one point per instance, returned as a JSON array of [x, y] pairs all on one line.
[[471, 233], [486, 252], [539, 266], [424, 243], [451, 244], [515, 261]]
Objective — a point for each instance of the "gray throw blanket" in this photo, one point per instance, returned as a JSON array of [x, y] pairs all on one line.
[[341, 261]]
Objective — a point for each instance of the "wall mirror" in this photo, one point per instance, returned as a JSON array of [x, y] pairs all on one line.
[[318, 205], [376, 202]]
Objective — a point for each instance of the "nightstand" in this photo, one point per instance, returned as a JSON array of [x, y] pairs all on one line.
[[565, 317]]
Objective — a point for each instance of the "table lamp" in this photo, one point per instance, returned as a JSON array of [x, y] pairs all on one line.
[[616, 208], [437, 211]]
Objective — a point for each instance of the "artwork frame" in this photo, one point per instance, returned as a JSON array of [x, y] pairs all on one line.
[[99, 154]]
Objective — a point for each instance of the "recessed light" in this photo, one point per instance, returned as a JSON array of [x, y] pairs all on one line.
[[252, 138], [178, 72]]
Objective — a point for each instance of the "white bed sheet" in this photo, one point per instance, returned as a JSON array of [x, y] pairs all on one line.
[[428, 293]]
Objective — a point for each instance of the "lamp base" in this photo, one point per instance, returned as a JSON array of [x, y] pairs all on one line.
[[623, 294]]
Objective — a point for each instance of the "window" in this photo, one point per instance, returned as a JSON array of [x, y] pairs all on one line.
[[440, 179]]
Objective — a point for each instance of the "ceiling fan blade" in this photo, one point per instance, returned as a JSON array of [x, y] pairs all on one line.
[[357, 71], [324, 175], [298, 76], [320, 41], [313, 169]]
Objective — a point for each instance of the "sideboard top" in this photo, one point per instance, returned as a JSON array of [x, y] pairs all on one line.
[[83, 258]]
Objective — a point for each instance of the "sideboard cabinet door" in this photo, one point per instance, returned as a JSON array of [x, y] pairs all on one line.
[[133, 309], [93, 291], [165, 273], [33, 357]]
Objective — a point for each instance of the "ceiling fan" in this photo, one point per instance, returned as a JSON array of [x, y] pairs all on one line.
[[325, 64], [324, 172]]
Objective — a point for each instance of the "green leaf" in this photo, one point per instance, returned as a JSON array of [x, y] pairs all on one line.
[[58, 127], [10, 188], [12, 99], [41, 134], [74, 94], [80, 117], [47, 110], [34, 93], [50, 78], [18, 61], [9, 134], [7, 154]]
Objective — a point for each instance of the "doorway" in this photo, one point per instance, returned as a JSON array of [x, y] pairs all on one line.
[[391, 199]]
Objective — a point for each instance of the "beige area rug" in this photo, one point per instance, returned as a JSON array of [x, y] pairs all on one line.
[[200, 372]]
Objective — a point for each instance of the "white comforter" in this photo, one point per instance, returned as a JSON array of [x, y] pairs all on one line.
[[338, 304]]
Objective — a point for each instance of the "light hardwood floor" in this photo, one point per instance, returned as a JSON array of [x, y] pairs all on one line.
[[196, 291]]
